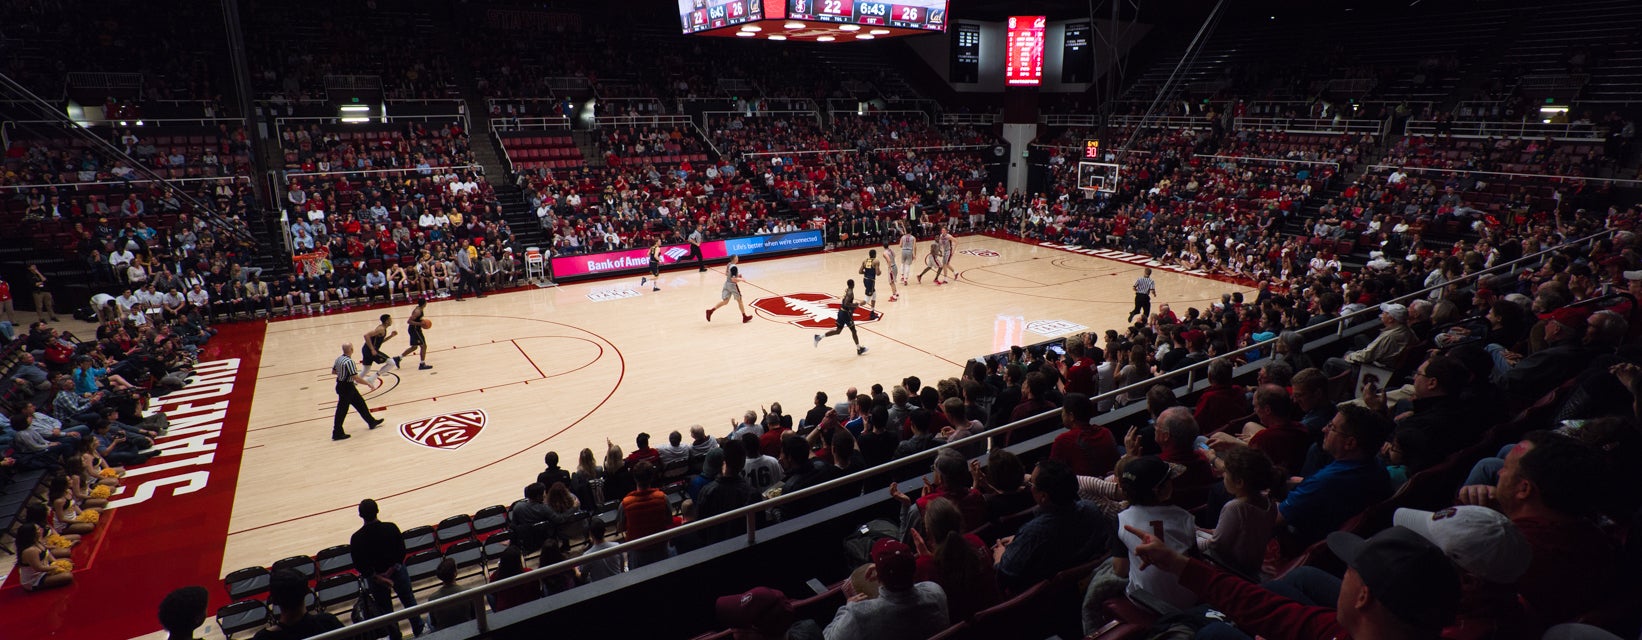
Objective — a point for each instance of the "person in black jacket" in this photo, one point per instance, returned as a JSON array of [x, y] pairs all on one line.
[[379, 555]]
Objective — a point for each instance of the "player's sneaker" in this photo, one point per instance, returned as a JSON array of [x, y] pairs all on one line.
[[817, 339], [860, 351], [709, 315]]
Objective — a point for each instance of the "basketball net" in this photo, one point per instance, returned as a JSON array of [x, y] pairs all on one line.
[[308, 263]]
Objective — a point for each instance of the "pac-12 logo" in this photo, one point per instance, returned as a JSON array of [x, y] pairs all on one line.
[[809, 310], [984, 253], [446, 431]]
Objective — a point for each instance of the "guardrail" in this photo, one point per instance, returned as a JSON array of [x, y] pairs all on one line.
[[1565, 132], [475, 597]]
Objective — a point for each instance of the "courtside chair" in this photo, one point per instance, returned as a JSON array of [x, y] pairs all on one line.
[[453, 529], [423, 563], [497, 542], [337, 589], [303, 565], [242, 616], [419, 539], [489, 520], [334, 560], [467, 553], [247, 582]]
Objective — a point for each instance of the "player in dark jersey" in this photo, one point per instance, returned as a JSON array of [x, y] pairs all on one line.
[[869, 279], [655, 265], [371, 351], [414, 327], [846, 319]]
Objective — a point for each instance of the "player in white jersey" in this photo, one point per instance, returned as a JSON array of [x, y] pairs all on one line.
[[732, 289], [909, 249]]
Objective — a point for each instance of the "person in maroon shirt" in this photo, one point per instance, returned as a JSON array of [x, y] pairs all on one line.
[[1088, 448], [1547, 488], [1398, 585], [1223, 401], [1277, 433]]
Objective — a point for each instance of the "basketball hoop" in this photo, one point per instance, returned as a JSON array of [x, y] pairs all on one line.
[[308, 263]]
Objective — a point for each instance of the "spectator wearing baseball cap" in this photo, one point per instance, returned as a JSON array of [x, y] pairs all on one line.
[[1397, 585], [1385, 348], [903, 609]]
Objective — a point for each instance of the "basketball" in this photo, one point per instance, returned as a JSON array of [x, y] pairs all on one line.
[[427, 324]]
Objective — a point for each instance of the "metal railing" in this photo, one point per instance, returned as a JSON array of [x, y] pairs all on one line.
[[1566, 132], [1311, 125], [475, 597]]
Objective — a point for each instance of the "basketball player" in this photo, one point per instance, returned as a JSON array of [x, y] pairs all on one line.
[[347, 395], [894, 272], [1144, 288], [846, 318], [414, 328], [371, 351], [655, 265], [732, 289], [909, 249], [869, 279]]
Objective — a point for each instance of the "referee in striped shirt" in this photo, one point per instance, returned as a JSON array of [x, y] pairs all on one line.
[[347, 375]]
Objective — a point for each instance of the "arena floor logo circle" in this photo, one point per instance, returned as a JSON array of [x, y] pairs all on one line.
[[809, 310]]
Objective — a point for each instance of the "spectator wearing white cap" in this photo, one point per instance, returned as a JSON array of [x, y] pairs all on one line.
[[1384, 350]]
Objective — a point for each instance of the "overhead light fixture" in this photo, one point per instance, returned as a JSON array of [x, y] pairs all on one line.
[[355, 107], [355, 119], [777, 36], [849, 27], [820, 39], [864, 36], [879, 32], [745, 34], [752, 27], [794, 25]]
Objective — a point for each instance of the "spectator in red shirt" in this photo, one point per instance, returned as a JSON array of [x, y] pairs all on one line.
[[1223, 401], [644, 453], [1547, 488], [1088, 448], [1274, 432], [1397, 585], [643, 512]]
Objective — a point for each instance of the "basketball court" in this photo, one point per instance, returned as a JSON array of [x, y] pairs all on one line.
[[250, 475]]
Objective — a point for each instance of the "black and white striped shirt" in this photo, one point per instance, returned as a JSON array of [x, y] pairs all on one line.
[[344, 368]]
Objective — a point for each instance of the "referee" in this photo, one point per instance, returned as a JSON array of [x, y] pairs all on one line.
[[347, 375], [1144, 288]]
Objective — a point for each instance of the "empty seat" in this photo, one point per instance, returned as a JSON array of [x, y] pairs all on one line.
[[247, 582], [241, 616], [490, 519], [303, 565], [419, 538], [453, 529]]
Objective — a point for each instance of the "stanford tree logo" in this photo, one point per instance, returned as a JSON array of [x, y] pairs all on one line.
[[809, 310], [447, 431]]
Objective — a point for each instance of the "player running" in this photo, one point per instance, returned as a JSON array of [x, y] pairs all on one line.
[[846, 318], [371, 352], [732, 289], [655, 265], [909, 249], [869, 279]]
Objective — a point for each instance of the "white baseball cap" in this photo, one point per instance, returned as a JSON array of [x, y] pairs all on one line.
[[1480, 540]]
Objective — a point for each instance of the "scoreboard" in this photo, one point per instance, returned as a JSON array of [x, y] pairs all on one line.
[[909, 14], [700, 15], [1023, 51]]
